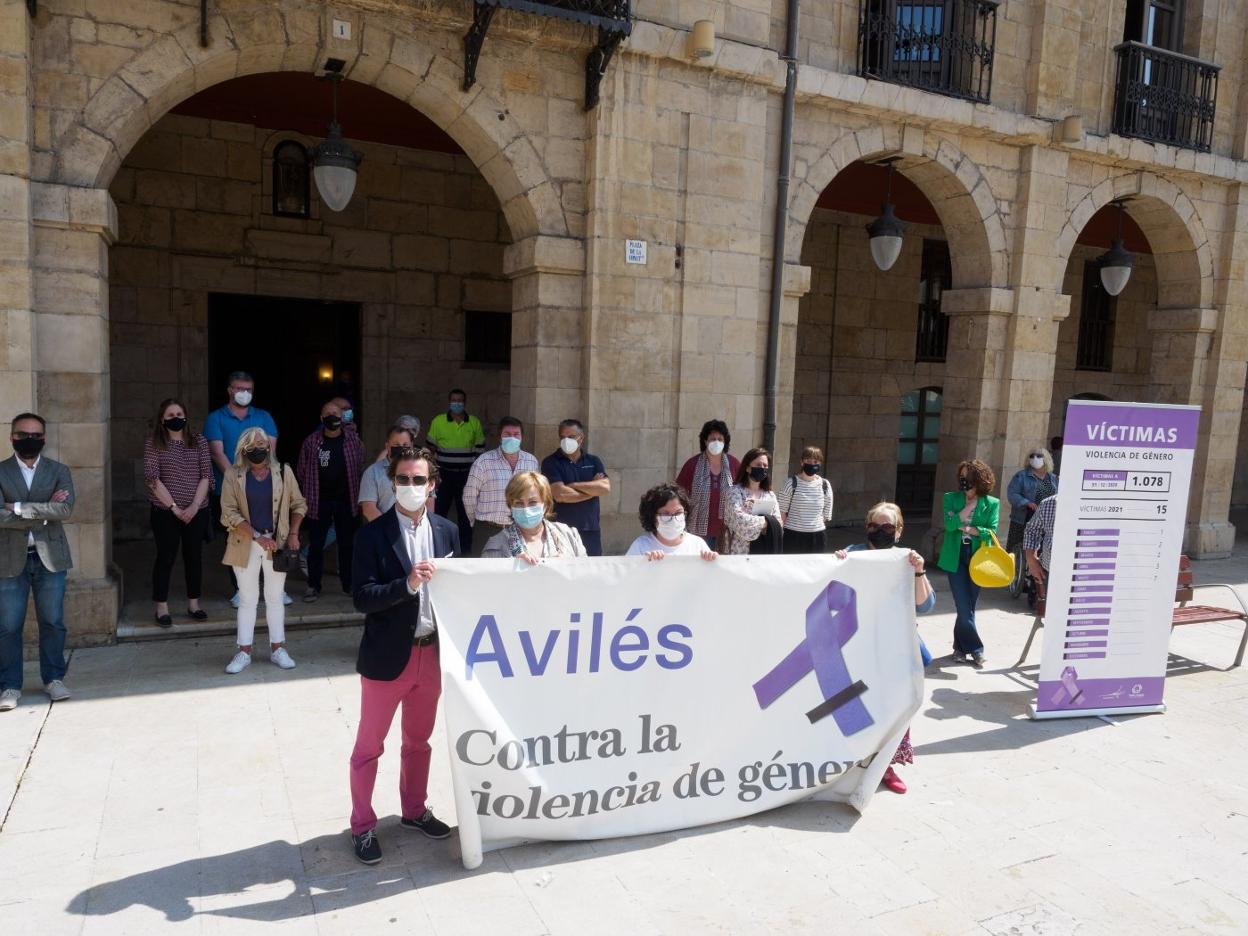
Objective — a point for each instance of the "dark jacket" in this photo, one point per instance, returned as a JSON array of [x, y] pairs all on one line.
[[379, 575]]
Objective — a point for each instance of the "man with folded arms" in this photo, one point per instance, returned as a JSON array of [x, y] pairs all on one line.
[[398, 659], [38, 496]]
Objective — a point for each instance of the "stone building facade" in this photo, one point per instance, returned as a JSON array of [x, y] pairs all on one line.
[[125, 209]]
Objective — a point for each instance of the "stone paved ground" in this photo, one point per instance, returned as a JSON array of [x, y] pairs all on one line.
[[168, 798]]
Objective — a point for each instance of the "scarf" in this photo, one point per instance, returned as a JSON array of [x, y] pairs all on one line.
[[551, 535], [701, 493]]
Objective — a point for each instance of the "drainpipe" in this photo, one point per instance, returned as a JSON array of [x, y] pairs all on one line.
[[789, 57]]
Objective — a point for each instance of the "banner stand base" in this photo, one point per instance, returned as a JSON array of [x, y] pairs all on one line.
[[1093, 712]]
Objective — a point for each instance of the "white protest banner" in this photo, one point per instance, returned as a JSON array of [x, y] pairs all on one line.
[[592, 698], [1117, 538]]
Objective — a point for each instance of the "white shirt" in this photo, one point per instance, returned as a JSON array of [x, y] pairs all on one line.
[[764, 504], [418, 538], [689, 545], [28, 475]]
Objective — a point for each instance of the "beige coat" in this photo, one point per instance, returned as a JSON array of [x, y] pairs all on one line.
[[287, 502]]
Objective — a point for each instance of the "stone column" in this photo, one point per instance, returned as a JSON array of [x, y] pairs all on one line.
[[796, 285], [1198, 359], [547, 334], [73, 228]]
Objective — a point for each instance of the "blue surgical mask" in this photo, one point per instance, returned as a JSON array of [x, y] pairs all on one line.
[[510, 445], [348, 415], [456, 407], [528, 517]]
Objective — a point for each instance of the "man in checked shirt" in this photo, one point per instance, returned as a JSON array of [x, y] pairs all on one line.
[[485, 496]]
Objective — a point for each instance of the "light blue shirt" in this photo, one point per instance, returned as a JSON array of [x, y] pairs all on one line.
[[224, 427]]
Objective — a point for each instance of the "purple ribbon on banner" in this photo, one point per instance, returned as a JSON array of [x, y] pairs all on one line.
[[831, 620]]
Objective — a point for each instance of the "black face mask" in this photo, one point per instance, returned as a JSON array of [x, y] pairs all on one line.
[[176, 424], [331, 422], [28, 448], [811, 469], [257, 456], [882, 539], [759, 473], [964, 483]]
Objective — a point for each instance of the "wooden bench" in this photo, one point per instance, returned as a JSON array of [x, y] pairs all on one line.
[[1184, 613]]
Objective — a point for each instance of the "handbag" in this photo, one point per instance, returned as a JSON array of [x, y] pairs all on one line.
[[285, 560], [991, 566]]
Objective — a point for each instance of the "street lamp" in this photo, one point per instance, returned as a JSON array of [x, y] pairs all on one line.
[[1117, 262], [334, 162], [887, 230]]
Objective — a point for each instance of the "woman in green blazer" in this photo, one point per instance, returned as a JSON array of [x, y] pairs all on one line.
[[970, 516]]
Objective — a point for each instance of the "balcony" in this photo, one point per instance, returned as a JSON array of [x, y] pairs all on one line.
[[1165, 97], [943, 46]]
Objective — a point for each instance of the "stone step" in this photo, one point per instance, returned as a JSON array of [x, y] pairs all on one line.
[[215, 626]]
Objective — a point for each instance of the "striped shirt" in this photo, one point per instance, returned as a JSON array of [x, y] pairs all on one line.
[[807, 506], [178, 468], [457, 444], [485, 495]]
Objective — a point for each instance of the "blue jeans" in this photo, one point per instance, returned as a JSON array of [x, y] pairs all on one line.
[[965, 597], [49, 589]]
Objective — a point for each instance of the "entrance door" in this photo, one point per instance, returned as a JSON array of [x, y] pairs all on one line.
[[918, 445], [300, 351]]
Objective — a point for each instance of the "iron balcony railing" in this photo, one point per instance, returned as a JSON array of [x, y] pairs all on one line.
[[945, 46], [1165, 97]]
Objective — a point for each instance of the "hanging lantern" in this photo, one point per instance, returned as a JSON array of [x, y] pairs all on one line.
[[886, 231], [1116, 264], [335, 165]]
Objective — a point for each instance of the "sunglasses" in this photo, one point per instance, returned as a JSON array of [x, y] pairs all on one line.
[[1036, 455], [886, 527], [28, 435], [405, 480]]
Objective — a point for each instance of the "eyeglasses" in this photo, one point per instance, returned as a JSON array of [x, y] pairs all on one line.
[[885, 527], [28, 435], [411, 479], [1036, 455], [670, 516]]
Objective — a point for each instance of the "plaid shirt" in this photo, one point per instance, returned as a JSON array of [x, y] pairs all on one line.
[[485, 491], [308, 471], [1038, 534]]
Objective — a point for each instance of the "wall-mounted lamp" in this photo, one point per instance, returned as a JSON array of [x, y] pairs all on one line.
[[887, 230], [701, 41], [325, 373], [1117, 262]]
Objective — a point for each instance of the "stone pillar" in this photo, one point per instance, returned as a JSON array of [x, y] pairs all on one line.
[[998, 379], [1198, 359], [796, 285], [547, 334], [72, 229]]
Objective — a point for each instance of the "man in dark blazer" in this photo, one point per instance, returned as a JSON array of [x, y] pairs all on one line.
[[395, 557], [38, 494]]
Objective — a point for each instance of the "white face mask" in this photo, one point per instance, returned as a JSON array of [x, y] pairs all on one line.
[[411, 497], [671, 527], [243, 397], [1037, 463], [569, 445], [716, 447]]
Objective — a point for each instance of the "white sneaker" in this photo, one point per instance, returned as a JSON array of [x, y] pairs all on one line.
[[8, 699], [286, 599], [281, 658], [236, 600], [240, 662], [57, 691]]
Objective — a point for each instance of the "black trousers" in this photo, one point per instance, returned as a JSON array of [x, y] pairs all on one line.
[[338, 514], [450, 493], [215, 529], [170, 533], [797, 542]]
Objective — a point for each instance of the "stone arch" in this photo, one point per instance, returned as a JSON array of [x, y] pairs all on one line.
[[1182, 253], [264, 38], [952, 182]]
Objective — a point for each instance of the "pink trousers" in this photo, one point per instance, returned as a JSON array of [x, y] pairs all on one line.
[[416, 689]]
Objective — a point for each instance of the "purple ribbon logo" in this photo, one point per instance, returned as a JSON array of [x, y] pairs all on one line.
[[831, 620], [1069, 687]]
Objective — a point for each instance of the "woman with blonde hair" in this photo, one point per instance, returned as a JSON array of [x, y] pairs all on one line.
[[262, 508], [884, 526], [533, 534]]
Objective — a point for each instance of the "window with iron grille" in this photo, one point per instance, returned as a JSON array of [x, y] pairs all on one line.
[[487, 338], [1097, 310], [931, 341]]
